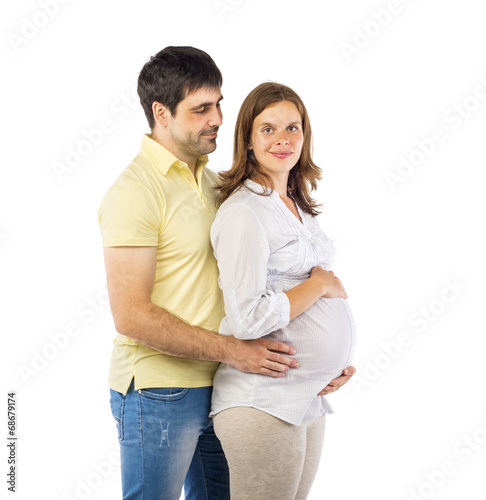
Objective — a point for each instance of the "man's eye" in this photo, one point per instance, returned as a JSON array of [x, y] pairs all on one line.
[[201, 111]]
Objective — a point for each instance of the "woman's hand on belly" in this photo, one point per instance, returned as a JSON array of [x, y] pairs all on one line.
[[331, 285], [320, 283]]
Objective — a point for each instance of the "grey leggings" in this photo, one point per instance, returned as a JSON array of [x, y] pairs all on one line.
[[268, 458]]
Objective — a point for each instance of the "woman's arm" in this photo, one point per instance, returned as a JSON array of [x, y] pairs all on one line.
[[321, 283], [242, 249]]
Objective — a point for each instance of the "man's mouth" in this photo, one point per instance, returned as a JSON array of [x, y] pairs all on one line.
[[211, 135]]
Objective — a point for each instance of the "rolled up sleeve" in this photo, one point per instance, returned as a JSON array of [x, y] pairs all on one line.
[[241, 248]]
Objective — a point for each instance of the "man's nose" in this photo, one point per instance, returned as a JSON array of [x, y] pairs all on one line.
[[215, 119]]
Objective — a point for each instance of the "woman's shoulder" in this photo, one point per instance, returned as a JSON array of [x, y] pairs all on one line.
[[245, 209], [251, 195]]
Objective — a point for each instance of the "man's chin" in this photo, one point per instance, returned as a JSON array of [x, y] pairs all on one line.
[[209, 146]]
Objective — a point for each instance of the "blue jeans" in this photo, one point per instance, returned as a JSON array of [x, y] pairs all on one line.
[[167, 441]]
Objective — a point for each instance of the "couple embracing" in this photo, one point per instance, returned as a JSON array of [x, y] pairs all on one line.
[[231, 325]]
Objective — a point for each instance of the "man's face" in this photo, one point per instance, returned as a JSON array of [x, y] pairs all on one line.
[[193, 129]]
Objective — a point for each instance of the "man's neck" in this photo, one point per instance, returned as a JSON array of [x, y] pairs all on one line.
[[172, 147]]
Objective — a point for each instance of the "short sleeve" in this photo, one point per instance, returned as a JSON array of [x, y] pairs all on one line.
[[129, 215]]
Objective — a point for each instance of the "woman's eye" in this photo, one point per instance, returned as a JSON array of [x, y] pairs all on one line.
[[267, 130]]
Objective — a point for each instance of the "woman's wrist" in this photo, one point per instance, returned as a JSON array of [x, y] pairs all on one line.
[[319, 284]]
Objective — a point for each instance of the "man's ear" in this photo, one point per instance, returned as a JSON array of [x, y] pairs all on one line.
[[160, 113]]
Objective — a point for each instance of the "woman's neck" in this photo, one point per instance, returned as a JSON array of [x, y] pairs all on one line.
[[280, 184]]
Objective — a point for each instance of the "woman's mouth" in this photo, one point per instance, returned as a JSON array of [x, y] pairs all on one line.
[[281, 154]]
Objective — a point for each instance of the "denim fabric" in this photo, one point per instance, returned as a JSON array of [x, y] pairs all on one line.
[[167, 442]]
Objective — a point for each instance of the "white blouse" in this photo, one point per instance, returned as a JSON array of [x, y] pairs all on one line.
[[263, 250]]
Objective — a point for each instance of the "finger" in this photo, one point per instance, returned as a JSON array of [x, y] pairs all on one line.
[[328, 390], [347, 373], [338, 382], [271, 373], [280, 359], [274, 345], [333, 385], [277, 367], [342, 379]]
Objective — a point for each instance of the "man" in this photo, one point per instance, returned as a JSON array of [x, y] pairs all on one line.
[[164, 295]]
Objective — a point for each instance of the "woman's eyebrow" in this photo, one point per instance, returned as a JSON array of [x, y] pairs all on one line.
[[269, 124]]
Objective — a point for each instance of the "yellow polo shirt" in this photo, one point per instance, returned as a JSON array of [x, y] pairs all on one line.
[[157, 202]]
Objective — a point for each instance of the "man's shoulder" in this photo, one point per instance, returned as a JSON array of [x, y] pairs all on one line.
[[139, 176], [139, 170], [136, 182]]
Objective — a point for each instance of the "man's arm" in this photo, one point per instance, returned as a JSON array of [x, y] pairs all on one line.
[[337, 383], [130, 274]]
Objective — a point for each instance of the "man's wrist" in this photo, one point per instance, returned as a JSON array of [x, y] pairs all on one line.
[[225, 348]]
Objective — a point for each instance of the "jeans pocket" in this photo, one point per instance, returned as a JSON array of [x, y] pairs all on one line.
[[164, 393], [117, 403]]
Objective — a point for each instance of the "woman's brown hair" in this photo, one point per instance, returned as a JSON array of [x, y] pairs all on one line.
[[305, 174]]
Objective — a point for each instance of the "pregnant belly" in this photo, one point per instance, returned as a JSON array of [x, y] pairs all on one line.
[[324, 337]]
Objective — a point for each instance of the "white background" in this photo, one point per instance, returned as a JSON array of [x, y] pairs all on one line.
[[372, 91]]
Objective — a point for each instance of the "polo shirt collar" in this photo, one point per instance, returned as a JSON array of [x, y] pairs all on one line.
[[163, 159]]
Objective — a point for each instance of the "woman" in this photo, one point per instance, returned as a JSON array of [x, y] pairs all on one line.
[[274, 265]]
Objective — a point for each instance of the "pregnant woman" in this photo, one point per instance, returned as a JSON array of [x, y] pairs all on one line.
[[274, 263]]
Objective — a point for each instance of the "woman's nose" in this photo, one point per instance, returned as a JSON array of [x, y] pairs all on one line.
[[282, 139]]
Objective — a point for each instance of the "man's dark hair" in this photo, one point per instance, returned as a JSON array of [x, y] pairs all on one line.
[[172, 74]]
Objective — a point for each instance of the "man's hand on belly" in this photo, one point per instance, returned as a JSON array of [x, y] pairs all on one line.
[[266, 357], [337, 383]]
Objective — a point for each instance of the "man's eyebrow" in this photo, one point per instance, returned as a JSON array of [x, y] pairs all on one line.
[[205, 104]]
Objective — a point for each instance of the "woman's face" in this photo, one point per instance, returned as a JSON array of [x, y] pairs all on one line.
[[277, 138]]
